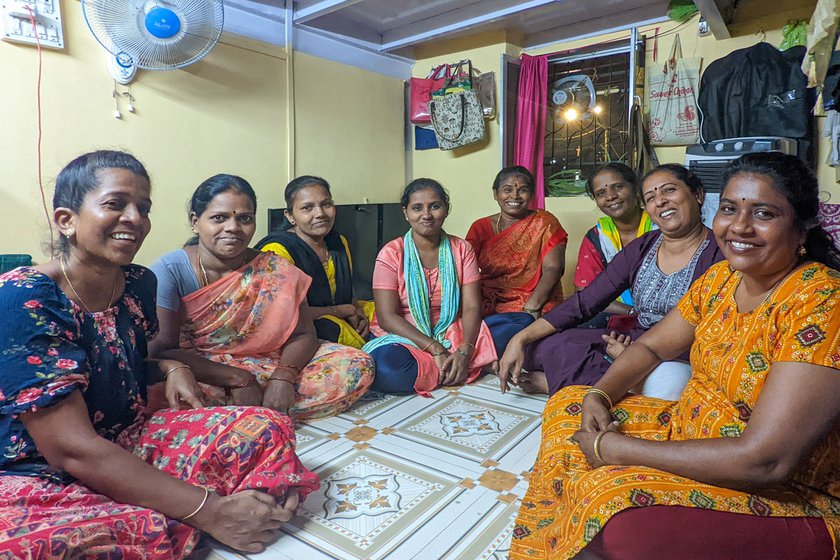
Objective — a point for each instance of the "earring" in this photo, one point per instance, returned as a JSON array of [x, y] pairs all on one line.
[[802, 251]]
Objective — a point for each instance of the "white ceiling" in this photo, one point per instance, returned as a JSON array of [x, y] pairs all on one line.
[[393, 28]]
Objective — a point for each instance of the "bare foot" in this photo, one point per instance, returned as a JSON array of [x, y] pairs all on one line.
[[615, 344], [533, 382]]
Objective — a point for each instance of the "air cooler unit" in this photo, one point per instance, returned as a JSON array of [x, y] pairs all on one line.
[[709, 160]]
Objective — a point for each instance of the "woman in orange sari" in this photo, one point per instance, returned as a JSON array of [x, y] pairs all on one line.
[[746, 464], [521, 254], [239, 316]]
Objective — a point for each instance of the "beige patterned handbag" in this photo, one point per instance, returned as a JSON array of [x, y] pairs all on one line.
[[457, 119]]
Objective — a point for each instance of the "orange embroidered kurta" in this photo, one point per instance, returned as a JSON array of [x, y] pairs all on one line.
[[568, 502]]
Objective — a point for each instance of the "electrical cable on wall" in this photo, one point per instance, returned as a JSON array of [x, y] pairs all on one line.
[[40, 132]]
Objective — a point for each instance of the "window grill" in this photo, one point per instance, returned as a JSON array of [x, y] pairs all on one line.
[[598, 132]]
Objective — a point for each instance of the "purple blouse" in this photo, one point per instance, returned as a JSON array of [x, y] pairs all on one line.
[[619, 275]]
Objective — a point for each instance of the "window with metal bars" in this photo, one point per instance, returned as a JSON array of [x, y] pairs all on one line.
[[587, 119]]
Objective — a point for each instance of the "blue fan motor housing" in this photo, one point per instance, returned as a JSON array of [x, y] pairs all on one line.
[[162, 23]]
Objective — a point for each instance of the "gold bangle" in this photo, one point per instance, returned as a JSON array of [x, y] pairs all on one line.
[[182, 366], [597, 446], [429, 345], [201, 505], [601, 393]]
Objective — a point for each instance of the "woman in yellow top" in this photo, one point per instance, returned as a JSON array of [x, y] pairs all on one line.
[[309, 242]]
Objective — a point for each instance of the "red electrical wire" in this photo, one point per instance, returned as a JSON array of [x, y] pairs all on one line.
[[40, 132]]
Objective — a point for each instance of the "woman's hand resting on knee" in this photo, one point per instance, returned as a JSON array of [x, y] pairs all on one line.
[[248, 520], [279, 395], [595, 416]]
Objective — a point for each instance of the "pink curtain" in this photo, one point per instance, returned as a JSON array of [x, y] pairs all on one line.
[[529, 146]]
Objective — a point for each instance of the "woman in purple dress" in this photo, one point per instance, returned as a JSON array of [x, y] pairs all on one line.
[[658, 268]]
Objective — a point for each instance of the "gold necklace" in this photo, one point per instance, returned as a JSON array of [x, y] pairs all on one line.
[[772, 289], [76, 292], [203, 270]]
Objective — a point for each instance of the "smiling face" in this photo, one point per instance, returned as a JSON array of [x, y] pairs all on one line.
[[754, 227], [313, 211], [227, 225], [672, 206], [112, 221], [426, 211], [513, 196], [614, 196]]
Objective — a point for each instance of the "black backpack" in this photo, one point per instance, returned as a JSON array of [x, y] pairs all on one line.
[[758, 91]]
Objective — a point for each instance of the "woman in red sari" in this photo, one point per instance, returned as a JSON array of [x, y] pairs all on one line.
[[521, 254]]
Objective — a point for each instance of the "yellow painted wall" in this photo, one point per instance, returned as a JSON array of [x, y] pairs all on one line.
[[349, 129], [469, 174], [227, 113]]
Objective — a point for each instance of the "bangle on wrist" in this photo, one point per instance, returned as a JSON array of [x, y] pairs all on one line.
[[182, 366], [200, 506], [531, 309], [597, 446], [428, 345], [287, 376], [602, 394]]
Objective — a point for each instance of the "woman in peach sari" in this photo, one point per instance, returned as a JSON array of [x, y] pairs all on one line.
[[239, 317]]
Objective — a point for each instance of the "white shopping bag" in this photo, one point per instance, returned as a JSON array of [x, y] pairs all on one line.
[[673, 119]]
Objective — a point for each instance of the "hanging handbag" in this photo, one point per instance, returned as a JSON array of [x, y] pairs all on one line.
[[459, 79], [457, 119], [424, 138], [440, 78], [484, 85]]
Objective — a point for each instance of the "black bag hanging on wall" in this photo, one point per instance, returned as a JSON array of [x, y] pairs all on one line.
[[758, 91]]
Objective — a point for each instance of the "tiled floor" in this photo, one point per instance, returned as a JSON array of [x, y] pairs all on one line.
[[414, 478]]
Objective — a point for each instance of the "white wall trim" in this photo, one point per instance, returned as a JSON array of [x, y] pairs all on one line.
[[269, 27], [455, 21], [304, 13], [553, 37]]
